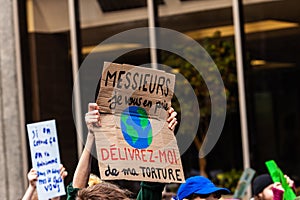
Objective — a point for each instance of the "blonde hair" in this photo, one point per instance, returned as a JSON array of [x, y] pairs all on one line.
[[93, 180]]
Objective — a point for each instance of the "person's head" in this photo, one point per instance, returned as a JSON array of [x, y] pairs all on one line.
[[198, 188], [103, 190], [262, 187]]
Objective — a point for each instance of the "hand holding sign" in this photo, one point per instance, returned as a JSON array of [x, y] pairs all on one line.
[[172, 118], [278, 176], [32, 177], [92, 117], [62, 172]]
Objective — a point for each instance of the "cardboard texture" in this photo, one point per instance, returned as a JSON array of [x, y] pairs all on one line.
[[134, 141]]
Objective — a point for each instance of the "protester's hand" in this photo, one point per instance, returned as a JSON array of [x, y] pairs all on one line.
[[277, 186], [32, 177], [277, 190], [172, 118], [92, 117], [62, 171], [290, 182]]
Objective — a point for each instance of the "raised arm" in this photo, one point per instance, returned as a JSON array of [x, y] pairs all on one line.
[[83, 169], [32, 179]]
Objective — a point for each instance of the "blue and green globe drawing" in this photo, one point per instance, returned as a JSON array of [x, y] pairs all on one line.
[[136, 127]]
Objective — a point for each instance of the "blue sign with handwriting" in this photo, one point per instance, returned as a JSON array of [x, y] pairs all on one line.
[[45, 158]]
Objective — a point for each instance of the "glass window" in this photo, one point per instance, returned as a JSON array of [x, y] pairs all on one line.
[[212, 27], [47, 72], [272, 43]]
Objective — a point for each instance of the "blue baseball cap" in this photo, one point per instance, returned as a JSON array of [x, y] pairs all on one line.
[[198, 185]]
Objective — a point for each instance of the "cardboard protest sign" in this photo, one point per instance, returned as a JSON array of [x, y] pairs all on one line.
[[134, 141], [45, 158]]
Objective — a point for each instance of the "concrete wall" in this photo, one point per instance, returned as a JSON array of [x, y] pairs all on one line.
[[12, 172]]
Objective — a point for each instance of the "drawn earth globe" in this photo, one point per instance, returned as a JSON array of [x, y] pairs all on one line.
[[136, 127]]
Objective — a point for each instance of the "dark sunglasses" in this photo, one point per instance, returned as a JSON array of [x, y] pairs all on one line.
[[216, 195]]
